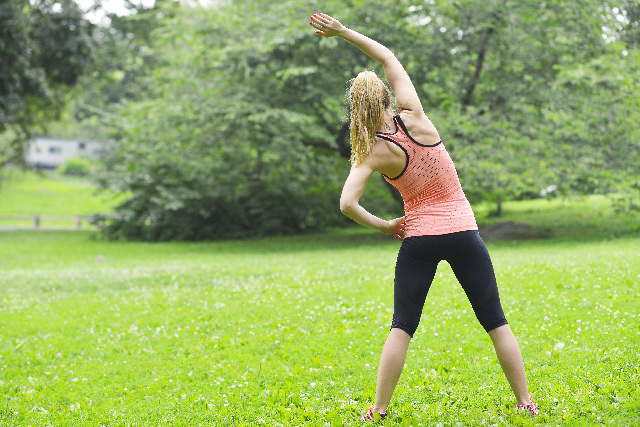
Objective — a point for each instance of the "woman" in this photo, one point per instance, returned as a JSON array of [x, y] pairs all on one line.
[[438, 223]]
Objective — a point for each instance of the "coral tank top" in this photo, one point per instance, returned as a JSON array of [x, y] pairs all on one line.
[[434, 202]]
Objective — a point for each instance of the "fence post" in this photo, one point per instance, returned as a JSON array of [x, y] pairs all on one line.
[[79, 222], [36, 221]]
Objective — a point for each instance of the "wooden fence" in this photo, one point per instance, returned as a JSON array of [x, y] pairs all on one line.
[[45, 222]]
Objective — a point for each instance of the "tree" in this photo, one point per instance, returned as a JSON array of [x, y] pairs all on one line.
[[45, 46], [246, 131]]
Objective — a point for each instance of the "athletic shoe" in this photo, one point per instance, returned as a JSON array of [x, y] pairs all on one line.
[[369, 415], [531, 407]]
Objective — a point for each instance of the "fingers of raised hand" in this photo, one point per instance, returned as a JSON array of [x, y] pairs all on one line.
[[320, 18], [317, 27], [319, 21]]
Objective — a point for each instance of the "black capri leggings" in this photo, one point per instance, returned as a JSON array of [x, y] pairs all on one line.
[[467, 254]]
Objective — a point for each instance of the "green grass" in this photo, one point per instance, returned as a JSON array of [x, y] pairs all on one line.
[[288, 331], [28, 193], [581, 218], [51, 194]]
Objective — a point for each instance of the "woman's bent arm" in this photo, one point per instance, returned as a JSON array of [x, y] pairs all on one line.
[[349, 200], [349, 203]]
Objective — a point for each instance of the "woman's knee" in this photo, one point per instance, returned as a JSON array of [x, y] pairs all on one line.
[[410, 329]]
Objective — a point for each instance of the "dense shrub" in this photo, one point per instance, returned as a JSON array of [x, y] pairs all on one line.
[[76, 166]]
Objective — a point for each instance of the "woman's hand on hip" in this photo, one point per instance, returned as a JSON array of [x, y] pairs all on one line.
[[395, 228], [325, 25]]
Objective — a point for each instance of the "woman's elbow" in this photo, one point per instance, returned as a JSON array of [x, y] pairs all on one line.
[[388, 58], [346, 206]]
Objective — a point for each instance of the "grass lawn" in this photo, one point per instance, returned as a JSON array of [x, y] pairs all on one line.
[[581, 218], [288, 331], [28, 193]]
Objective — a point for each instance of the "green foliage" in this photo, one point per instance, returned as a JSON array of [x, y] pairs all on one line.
[[122, 63], [232, 179], [63, 42], [76, 166], [237, 111], [628, 201], [45, 46], [288, 331], [236, 165], [528, 125]]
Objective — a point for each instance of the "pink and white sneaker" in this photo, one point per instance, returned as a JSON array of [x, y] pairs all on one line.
[[368, 416], [531, 407]]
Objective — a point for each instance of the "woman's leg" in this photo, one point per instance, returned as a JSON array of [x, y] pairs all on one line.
[[472, 266], [415, 269], [391, 364], [510, 359]]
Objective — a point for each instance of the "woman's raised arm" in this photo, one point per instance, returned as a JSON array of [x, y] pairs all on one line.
[[406, 96]]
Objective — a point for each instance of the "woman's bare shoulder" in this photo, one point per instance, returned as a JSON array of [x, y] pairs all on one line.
[[387, 157], [419, 127], [383, 148]]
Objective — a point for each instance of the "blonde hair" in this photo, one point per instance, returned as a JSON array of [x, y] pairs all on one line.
[[369, 98]]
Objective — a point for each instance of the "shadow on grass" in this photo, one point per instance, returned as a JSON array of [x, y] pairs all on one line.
[[589, 218], [561, 228]]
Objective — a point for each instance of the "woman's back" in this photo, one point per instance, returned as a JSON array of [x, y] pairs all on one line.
[[434, 202]]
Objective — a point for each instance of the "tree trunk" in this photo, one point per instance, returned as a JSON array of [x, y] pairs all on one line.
[[473, 81], [344, 147]]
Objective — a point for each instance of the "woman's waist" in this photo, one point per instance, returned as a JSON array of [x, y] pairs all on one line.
[[441, 218], [445, 204]]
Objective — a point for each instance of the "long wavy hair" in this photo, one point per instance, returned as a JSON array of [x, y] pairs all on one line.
[[369, 98]]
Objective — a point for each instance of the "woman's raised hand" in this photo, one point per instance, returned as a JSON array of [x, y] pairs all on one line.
[[325, 25]]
